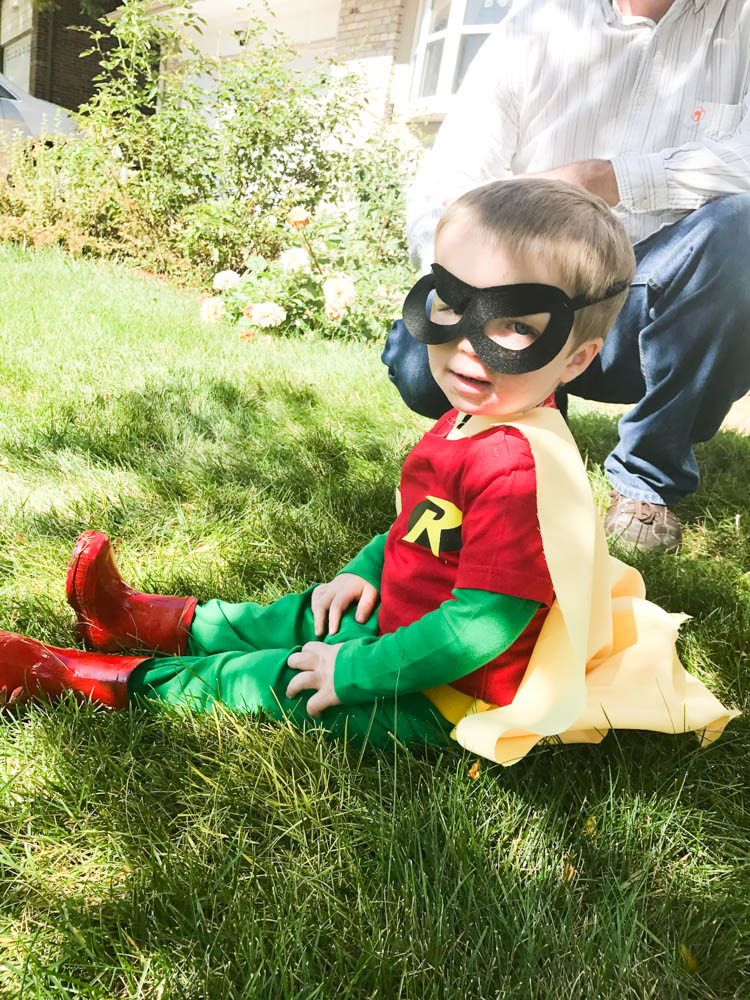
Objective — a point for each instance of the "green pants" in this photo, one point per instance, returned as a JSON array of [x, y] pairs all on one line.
[[237, 655]]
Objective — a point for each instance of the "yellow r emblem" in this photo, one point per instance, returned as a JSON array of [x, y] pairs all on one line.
[[435, 524]]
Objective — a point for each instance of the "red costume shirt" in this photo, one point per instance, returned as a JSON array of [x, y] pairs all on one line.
[[468, 520]]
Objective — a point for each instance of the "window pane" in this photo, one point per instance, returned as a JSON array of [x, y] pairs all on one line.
[[433, 53], [17, 61], [470, 45], [439, 12], [486, 11]]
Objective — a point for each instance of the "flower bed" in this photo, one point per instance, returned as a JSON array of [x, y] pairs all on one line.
[[184, 166], [317, 284]]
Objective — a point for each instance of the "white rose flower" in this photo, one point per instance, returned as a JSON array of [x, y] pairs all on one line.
[[212, 309], [339, 291], [265, 314], [295, 259], [225, 280], [334, 313]]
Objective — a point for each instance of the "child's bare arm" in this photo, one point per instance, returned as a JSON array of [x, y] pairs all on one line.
[[330, 600]]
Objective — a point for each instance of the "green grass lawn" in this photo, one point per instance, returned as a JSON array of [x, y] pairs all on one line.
[[148, 854]]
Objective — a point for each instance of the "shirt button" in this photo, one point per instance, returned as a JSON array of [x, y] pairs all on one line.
[[641, 101], [643, 203]]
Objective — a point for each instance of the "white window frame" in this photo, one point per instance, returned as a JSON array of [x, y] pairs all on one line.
[[21, 43], [451, 34]]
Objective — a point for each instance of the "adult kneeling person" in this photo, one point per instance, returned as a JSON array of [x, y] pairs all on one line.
[[647, 104]]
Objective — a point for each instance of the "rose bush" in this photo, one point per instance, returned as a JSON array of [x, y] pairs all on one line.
[[185, 166], [318, 284]]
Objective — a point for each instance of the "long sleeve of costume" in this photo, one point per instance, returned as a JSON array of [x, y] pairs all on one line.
[[368, 562], [444, 645], [686, 177]]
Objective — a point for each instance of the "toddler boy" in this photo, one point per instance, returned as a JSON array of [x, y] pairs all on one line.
[[493, 595]]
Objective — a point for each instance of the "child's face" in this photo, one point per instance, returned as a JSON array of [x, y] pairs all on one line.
[[469, 385]]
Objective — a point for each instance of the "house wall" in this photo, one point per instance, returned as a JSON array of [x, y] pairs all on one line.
[[54, 71], [311, 27], [369, 28], [15, 40], [15, 19], [58, 73], [374, 37]]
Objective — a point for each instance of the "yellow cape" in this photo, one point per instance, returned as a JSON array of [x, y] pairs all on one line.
[[605, 657]]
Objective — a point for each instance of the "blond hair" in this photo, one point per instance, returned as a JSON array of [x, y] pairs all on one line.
[[567, 227]]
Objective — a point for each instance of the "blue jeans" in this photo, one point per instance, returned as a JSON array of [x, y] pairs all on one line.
[[679, 350]]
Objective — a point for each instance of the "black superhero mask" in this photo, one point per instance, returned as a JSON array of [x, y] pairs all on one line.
[[478, 306]]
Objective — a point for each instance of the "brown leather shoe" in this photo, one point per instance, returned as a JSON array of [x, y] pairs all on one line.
[[651, 527], [112, 616], [29, 669]]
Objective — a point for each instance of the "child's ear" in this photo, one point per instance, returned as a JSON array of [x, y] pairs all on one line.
[[581, 359]]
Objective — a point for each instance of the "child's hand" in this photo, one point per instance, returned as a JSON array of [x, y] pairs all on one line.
[[315, 662], [332, 599]]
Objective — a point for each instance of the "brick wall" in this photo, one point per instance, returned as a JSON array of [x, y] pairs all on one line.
[[369, 27], [15, 20], [368, 38], [58, 73]]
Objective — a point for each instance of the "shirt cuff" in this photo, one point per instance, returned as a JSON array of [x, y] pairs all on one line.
[[345, 673], [642, 182]]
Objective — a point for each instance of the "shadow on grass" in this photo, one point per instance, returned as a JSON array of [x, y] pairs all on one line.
[[723, 462], [289, 495], [181, 435], [251, 857], [289, 488]]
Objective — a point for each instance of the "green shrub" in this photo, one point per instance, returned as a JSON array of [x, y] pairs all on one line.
[[184, 165], [318, 284]]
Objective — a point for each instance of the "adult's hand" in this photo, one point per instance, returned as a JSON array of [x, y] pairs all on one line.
[[597, 176]]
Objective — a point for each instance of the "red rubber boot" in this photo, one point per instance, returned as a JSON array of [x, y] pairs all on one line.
[[29, 669], [111, 616]]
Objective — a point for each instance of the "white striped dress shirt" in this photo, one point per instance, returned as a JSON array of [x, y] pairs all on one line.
[[566, 80]]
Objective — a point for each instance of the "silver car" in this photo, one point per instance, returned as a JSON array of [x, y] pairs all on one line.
[[20, 112]]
